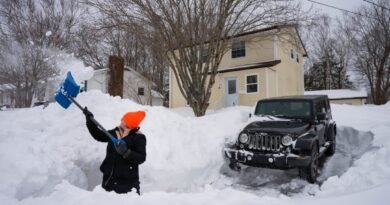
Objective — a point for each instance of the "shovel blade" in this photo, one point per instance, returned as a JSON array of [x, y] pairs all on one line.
[[67, 89]]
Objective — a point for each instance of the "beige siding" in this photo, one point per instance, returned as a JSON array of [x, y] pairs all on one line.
[[291, 72], [258, 49], [285, 78], [176, 98]]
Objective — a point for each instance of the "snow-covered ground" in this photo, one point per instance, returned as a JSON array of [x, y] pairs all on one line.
[[48, 157]]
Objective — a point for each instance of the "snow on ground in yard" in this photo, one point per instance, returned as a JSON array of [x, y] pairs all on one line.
[[48, 157]]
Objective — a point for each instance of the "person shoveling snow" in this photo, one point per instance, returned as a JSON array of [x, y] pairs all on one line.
[[120, 167], [124, 152]]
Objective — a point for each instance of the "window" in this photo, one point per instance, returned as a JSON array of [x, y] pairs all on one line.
[[321, 107], [252, 83], [292, 54], [141, 91], [297, 58], [238, 49], [232, 87]]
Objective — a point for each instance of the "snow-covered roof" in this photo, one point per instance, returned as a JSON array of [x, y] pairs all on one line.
[[131, 70], [4, 87], [339, 94], [156, 94]]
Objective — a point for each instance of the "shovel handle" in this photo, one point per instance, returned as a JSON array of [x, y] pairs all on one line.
[[113, 139]]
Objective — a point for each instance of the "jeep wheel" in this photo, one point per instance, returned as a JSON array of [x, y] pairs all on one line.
[[332, 147], [310, 173]]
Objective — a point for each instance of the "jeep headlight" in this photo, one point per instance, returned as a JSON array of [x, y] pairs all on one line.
[[243, 138], [287, 140]]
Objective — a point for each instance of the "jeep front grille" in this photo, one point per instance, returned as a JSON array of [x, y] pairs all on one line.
[[263, 142]]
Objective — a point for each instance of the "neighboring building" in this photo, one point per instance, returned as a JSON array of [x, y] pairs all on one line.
[[260, 64], [7, 95], [135, 86], [342, 96]]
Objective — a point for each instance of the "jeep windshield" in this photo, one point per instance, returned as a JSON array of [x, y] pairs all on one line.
[[284, 109]]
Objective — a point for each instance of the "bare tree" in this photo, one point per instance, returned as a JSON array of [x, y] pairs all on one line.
[[29, 30], [330, 57], [370, 35], [134, 43], [189, 29], [27, 70]]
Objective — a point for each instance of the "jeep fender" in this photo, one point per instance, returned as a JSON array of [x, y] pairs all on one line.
[[306, 142], [331, 128]]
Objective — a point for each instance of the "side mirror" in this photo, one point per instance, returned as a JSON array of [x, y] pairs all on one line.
[[321, 116]]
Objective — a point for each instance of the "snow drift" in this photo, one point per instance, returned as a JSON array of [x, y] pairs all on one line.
[[47, 156]]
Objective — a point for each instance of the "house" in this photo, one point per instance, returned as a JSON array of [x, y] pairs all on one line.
[[7, 95], [343, 96], [260, 64], [135, 86]]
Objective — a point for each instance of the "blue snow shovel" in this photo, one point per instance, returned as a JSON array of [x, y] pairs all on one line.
[[65, 95]]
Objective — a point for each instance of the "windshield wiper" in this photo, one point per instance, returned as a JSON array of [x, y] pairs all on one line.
[[290, 117], [284, 116], [268, 116]]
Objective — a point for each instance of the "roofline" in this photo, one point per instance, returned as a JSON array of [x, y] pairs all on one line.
[[273, 28], [251, 66], [295, 97], [258, 31], [347, 98], [264, 30]]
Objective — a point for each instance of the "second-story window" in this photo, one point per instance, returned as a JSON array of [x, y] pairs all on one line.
[[238, 49], [141, 91], [292, 54]]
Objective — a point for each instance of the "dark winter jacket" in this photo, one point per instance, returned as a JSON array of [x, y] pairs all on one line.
[[120, 174]]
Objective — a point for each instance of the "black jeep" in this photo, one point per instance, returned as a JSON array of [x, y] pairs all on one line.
[[286, 132]]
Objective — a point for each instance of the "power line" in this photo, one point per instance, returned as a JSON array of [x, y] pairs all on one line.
[[345, 10], [375, 4]]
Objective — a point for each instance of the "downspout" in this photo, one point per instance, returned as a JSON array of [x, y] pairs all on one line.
[[170, 88], [276, 57]]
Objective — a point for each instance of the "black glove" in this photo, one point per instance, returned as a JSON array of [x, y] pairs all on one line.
[[88, 114], [122, 149]]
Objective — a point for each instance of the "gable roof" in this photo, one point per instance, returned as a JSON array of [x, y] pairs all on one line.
[[277, 27]]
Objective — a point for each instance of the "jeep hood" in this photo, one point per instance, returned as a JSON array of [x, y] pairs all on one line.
[[293, 127]]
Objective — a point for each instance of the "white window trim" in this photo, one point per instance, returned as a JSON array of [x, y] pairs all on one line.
[[258, 84]]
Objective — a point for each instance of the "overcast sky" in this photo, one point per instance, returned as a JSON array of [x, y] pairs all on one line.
[[343, 4]]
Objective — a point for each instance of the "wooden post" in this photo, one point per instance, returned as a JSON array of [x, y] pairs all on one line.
[[115, 76]]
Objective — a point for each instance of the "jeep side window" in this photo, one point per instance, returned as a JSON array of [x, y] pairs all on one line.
[[320, 107], [327, 105], [323, 106]]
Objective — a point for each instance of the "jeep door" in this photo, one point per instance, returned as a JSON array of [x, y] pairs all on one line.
[[320, 125]]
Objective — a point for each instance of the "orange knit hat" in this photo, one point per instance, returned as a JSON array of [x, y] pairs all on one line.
[[133, 119]]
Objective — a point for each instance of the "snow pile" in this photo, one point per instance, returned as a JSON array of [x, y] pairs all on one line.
[[373, 168], [41, 147], [47, 156]]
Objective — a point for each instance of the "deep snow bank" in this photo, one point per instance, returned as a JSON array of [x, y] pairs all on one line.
[[41, 147], [47, 157]]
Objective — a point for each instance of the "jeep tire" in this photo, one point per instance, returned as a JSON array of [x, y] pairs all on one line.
[[310, 172]]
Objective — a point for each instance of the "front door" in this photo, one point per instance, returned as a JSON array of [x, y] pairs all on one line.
[[231, 94]]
